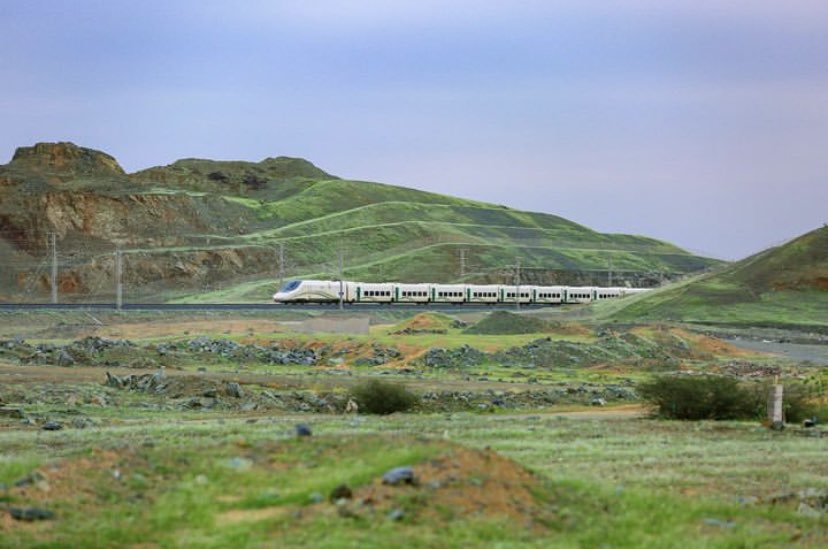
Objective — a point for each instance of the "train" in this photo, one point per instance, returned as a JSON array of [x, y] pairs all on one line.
[[329, 291]]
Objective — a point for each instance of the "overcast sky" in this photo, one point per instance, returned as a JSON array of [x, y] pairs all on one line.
[[704, 123]]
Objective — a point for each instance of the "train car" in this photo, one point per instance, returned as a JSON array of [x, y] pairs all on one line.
[[482, 293], [448, 293], [633, 291], [600, 294], [548, 294], [411, 293], [310, 291], [509, 294], [373, 292], [578, 294]]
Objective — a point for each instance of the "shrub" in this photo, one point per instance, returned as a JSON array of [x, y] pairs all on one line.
[[706, 397], [797, 402], [382, 397]]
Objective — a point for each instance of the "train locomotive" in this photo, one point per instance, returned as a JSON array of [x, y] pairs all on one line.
[[329, 291]]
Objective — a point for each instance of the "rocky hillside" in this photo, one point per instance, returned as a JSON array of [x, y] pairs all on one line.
[[218, 229]]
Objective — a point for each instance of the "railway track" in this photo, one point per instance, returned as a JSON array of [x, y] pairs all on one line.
[[367, 307]]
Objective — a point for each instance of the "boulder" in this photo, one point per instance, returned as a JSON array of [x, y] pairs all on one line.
[[399, 475]]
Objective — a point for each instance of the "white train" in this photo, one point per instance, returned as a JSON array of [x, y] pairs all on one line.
[[329, 291]]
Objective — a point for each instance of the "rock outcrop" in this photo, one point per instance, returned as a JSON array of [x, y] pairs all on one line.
[[66, 158]]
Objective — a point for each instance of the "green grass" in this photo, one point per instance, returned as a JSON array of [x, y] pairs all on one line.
[[631, 483], [780, 287], [199, 225]]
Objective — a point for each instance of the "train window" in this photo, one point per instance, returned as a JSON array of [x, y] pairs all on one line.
[[290, 286]]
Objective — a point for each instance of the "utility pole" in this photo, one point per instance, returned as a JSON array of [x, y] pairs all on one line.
[[281, 264], [119, 282], [517, 284], [53, 280], [462, 263], [341, 282], [609, 274]]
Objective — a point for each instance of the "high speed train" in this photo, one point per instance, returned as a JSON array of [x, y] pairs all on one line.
[[329, 291]]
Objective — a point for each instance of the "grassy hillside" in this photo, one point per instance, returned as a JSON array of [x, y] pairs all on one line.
[[205, 229], [786, 285]]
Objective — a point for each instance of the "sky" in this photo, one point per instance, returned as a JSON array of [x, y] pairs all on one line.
[[703, 123]]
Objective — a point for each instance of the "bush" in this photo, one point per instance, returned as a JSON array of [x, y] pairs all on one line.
[[696, 398], [382, 397], [797, 402]]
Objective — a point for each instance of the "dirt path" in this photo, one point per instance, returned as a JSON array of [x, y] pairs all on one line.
[[626, 411], [13, 373]]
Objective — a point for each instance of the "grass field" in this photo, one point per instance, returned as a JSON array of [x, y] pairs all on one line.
[[134, 468], [569, 480]]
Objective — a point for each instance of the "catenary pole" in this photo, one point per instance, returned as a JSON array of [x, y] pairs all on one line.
[[53, 279], [119, 279], [341, 282]]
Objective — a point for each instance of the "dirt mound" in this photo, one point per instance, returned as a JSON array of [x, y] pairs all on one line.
[[424, 323], [53, 486], [503, 322], [455, 483], [462, 483], [689, 345]]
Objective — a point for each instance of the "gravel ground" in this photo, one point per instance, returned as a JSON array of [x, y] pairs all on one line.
[[816, 353]]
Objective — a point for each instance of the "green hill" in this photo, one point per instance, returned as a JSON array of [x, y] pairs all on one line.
[[205, 229], [783, 286]]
